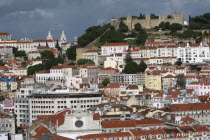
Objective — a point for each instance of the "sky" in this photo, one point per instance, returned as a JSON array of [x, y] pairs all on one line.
[[34, 18]]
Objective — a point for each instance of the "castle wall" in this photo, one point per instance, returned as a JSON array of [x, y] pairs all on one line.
[[148, 23]]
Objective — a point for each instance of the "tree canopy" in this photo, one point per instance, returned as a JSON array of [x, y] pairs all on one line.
[[141, 37], [105, 82], [178, 62], [181, 81], [85, 61], [138, 27], [71, 53], [47, 54], [91, 34], [200, 22], [112, 36], [131, 67], [142, 66], [122, 27], [2, 63]]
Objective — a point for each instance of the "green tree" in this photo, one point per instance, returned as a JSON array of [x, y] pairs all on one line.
[[72, 63], [2, 63], [91, 34], [141, 37], [85, 61], [48, 64], [178, 62], [33, 69], [164, 26], [105, 82], [20, 54], [57, 46], [47, 43], [142, 66], [122, 27], [153, 16], [112, 36], [128, 57], [23, 64], [175, 27], [181, 81], [138, 27], [47, 54], [131, 68], [14, 50], [71, 53], [2, 98]]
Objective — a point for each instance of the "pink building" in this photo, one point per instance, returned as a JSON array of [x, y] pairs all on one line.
[[200, 88], [113, 89], [8, 105]]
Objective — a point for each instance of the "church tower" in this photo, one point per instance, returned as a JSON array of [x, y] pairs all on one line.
[[49, 36], [63, 38], [75, 40]]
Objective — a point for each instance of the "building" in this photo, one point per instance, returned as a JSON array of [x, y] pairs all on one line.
[[105, 73], [200, 88], [52, 102], [193, 53], [153, 80], [7, 123], [112, 48], [21, 102], [56, 73], [5, 36], [92, 55], [128, 79]]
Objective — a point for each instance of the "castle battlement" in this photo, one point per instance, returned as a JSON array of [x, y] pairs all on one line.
[[148, 23]]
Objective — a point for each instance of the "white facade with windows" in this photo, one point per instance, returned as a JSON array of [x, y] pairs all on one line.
[[111, 48], [198, 53], [53, 102]]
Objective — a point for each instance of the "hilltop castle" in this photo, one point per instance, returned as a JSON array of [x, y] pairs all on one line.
[[148, 23]]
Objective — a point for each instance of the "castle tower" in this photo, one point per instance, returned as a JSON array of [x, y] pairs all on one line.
[[49, 36], [63, 38]]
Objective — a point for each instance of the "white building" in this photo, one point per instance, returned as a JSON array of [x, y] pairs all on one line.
[[92, 55], [52, 102], [56, 73], [111, 48], [194, 53]]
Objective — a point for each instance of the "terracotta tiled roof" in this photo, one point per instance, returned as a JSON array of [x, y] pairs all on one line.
[[187, 120], [131, 123], [60, 138], [115, 44], [90, 51], [169, 76], [64, 66], [4, 34], [96, 116], [54, 118], [190, 106], [132, 87], [109, 68], [105, 135], [113, 85], [40, 132]]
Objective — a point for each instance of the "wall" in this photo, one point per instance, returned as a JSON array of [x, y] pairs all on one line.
[[148, 23]]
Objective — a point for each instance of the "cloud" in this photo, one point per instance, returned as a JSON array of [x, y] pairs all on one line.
[[5, 2], [32, 14]]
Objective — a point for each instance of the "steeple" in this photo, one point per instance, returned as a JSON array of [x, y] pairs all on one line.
[[63, 38], [49, 36]]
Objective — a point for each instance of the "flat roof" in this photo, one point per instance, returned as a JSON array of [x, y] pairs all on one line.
[[65, 95]]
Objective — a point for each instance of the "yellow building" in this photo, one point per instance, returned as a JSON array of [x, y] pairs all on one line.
[[153, 80]]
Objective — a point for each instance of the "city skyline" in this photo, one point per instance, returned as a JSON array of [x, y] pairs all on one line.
[[33, 19]]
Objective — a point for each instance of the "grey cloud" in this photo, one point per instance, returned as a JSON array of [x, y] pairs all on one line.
[[34, 18]]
